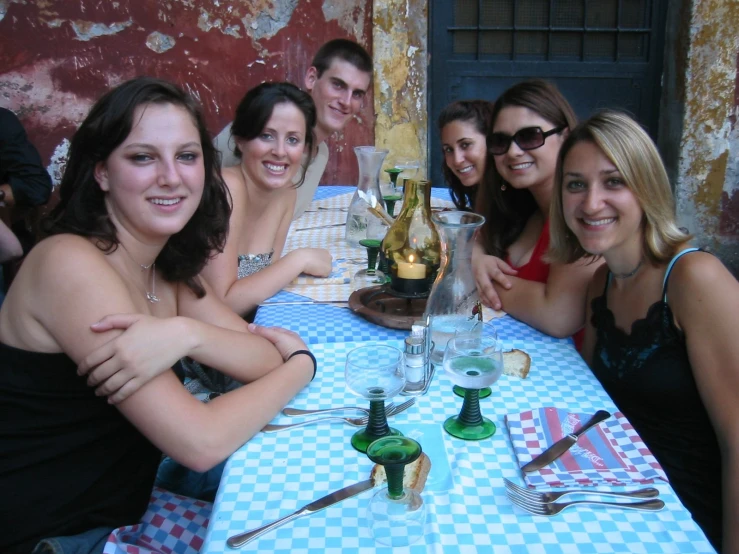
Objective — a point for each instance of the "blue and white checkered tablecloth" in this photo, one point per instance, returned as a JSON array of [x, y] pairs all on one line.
[[320, 323], [275, 474]]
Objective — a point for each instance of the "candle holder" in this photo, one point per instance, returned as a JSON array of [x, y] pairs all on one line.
[[411, 250]]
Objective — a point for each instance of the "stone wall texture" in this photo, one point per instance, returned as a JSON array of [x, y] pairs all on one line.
[[707, 187]]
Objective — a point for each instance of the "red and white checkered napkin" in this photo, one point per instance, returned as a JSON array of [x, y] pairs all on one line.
[[611, 453], [172, 523]]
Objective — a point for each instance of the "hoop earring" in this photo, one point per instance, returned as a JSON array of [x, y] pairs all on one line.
[[503, 187]]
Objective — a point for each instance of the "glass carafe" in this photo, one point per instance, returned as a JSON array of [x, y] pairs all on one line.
[[453, 301], [370, 162], [411, 250]]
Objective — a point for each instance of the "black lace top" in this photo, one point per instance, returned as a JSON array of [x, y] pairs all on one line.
[[648, 375]]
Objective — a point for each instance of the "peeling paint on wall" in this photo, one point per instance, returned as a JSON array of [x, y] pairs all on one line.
[[216, 49], [709, 177], [349, 14], [88, 30], [159, 42], [400, 45], [268, 21]]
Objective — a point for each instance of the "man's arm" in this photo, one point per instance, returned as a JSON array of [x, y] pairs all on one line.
[[25, 181]]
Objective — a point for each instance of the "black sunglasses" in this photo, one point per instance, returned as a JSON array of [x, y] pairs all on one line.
[[528, 138]]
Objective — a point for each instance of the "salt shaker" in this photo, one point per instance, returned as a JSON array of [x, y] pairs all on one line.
[[417, 363], [414, 365]]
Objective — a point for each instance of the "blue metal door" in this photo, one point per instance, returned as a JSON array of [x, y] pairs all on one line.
[[600, 53]]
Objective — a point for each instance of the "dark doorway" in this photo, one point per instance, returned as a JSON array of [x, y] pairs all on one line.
[[600, 53]]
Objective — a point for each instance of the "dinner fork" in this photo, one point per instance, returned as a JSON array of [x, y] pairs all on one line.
[[653, 505], [550, 496], [298, 412], [354, 421]]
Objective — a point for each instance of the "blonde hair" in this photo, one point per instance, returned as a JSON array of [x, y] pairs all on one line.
[[635, 156]]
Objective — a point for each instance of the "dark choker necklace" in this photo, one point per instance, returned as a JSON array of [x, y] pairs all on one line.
[[630, 273]]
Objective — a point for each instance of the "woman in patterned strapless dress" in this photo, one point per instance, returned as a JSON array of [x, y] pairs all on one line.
[[272, 128], [661, 324]]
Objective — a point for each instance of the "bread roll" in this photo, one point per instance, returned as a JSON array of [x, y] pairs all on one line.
[[414, 476], [517, 363]]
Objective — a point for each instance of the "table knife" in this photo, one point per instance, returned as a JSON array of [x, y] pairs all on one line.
[[316, 506], [563, 444]]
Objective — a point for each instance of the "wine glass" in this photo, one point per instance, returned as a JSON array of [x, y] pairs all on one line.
[[472, 361], [396, 515], [369, 277], [409, 168], [470, 329], [374, 372], [391, 195], [376, 231]]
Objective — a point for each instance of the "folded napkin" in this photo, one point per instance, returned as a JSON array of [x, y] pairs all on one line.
[[611, 453], [341, 274]]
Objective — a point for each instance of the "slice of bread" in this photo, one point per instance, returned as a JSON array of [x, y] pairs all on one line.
[[414, 476], [517, 363]]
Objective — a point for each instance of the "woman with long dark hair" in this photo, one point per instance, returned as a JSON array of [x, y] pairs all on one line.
[[272, 129], [115, 290], [530, 122], [463, 127]]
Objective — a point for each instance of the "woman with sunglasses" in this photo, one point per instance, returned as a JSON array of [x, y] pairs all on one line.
[[463, 126], [530, 122], [662, 317]]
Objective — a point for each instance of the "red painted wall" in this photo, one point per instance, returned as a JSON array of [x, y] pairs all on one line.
[[57, 57]]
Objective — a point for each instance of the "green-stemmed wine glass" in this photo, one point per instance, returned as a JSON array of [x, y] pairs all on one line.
[[396, 515], [374, 372], [472, 361], [392, 195]]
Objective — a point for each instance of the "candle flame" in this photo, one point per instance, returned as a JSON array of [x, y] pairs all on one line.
[[410, 258]]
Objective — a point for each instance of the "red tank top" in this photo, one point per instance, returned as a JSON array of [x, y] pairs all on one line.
[[536, 269]]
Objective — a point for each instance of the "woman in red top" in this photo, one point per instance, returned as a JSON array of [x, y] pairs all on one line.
[[530, 122]]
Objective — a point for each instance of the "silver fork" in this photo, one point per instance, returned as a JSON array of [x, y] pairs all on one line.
[[297, 412], [653, 505], [550, 496], [355, 421]]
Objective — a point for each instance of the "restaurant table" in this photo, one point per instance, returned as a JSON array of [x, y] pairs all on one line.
[[275, 474]]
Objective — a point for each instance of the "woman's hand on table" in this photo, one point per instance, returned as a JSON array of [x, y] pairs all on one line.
[[148, 347], [314, 261], [490, 271], [284, 340]]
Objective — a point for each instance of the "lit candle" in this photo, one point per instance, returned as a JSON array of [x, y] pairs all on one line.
[[409, 270]]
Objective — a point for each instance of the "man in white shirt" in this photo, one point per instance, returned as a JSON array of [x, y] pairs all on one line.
[[338, 80]]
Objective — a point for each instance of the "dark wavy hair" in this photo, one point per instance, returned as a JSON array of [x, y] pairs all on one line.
[[506, 212], [255, 109], [480, 114], [81, 209], [343, 49]]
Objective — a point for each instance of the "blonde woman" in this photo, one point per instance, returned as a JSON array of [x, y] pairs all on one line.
[[661, 318]]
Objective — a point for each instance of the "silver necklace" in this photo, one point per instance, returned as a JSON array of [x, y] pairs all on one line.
[[630, 273], [150, 296]]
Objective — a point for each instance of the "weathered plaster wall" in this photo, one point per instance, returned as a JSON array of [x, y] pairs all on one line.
[[57, 57], [400, 58], [707, 188]]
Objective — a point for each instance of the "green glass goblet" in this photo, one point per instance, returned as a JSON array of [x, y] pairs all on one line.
[[392, 195], [472, 362], [396, 515], [371, 276], [374, 372]]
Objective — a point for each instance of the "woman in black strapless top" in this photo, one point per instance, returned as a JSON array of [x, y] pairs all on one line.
[[662, 317], [115, 291]]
